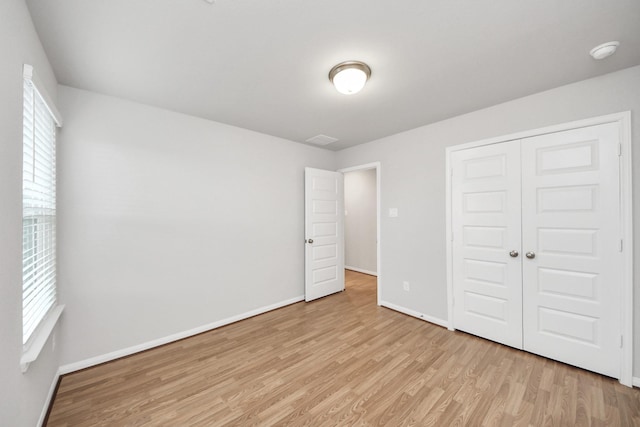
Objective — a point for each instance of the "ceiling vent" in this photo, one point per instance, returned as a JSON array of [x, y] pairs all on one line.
[[322, 140]]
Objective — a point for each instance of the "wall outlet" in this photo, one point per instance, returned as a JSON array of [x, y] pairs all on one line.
[[393, 212], [406, 286]]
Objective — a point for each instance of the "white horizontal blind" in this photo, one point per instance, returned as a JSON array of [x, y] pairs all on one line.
[[38, 211]]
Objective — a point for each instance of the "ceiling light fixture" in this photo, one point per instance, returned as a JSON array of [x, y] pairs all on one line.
[[604, 50], [349, 77]]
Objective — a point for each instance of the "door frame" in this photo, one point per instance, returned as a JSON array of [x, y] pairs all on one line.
[[623, 119], [377, 167]]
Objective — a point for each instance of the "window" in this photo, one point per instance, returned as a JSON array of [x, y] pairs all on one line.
[[38, 208]]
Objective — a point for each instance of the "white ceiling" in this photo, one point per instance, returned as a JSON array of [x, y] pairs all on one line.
[[263, 64]]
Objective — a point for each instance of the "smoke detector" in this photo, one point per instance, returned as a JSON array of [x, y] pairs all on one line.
[[604, 50]]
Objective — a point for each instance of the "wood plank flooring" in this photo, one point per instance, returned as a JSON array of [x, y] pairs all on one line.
[[339, 361]]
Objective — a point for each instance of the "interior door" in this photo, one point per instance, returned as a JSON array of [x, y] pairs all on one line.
[[487, 277], [570, 226], [324, 233]]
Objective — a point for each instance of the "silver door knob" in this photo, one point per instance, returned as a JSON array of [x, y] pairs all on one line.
[[513, 254], [310, 241], [530, 255]]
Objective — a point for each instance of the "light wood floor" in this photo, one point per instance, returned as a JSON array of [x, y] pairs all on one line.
[[339, 361]]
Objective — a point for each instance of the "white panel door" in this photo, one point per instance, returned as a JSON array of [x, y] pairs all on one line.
[[324, 233], [570, 228], [487, 279]]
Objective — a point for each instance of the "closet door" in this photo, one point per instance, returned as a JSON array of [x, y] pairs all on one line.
[[487, 279], [570, 228]]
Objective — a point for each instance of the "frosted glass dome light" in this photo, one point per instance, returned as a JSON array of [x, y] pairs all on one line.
[[350, 77]]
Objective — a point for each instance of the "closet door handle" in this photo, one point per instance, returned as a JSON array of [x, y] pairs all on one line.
[[513, 254], [531, 255]]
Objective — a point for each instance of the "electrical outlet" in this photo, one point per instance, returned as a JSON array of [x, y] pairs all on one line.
[[406, 286], [393, 212]]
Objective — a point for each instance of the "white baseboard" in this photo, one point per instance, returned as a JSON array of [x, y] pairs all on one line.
[[49, 399], [636, 381], [413, 313], [361, 270], [76, 366]]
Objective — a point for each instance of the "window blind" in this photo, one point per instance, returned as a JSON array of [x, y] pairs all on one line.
[[38, 211]]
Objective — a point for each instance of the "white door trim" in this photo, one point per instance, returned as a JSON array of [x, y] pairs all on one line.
[[377, 166], [626, 233]]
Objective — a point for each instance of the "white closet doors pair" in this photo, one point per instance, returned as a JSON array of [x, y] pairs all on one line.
[[536, 245]]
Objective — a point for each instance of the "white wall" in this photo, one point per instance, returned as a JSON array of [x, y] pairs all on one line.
[[413, 244], [22, 396], [360, 232], [170, 222]]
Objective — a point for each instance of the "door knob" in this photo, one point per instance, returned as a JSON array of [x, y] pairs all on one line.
[[310, 241], [531, 255], [513, 254]]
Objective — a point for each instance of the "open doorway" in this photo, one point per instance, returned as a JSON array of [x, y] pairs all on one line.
[[362, 222]]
